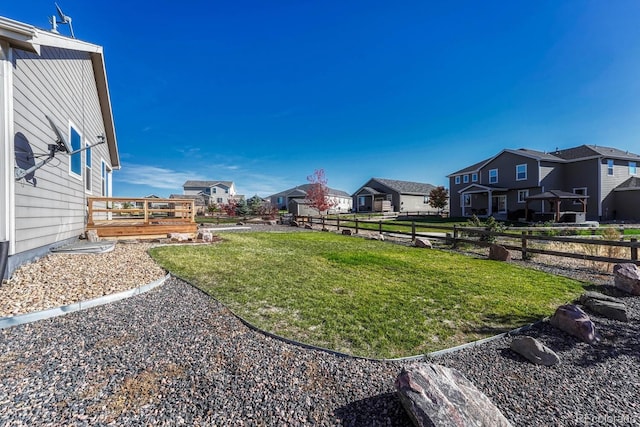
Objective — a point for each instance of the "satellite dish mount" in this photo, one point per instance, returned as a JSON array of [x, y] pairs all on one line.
[[64, 19]]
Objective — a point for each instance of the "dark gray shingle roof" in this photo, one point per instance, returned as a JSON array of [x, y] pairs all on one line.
[[406, 187]]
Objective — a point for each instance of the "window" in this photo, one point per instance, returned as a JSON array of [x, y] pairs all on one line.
[[75, 165], [214, 190], [474, 177], [610, 167], [458, 179], [219, 200], [280, 200], [87, 168], [580, 190], [105, 178], [521, 172], [522, 195], [426, 200], [465, 179], [493, 176], [361, 201], [466, 200], [226, 191], [632, 168]]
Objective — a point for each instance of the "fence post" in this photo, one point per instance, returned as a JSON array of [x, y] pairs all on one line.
[[380, 226], [413, 230], [338, 222], [356, 225], [455, 236], [634, 249], [524, 245], [323, 227]]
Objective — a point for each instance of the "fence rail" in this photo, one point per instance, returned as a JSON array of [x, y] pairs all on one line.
[[516, 239]]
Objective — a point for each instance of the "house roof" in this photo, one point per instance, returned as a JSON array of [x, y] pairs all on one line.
[[301, 190], [405, 187], [369, 190], [582, 152], [632, 183], [557, 195], [31, 39], [201, 184]]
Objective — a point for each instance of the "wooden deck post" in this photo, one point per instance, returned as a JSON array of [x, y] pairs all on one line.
[[90, 212]]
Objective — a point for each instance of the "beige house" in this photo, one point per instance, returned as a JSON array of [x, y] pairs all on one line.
[[391, 195], [295, 201]]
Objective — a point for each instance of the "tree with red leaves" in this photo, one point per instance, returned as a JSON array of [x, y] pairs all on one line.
[[318, 192]]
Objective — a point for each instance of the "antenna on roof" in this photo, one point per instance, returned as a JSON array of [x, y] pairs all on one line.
[[64, 19]]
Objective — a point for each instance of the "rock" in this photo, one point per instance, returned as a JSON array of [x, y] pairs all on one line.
[[324, 229], [179, 237], [239, 223], [205, 236], [627, 278], [534, 351], [92, 236], [272, 222], [346, 232], [499, 253], [609, 307], [422, 242], [434, 395], [571, 319], [308, 226]]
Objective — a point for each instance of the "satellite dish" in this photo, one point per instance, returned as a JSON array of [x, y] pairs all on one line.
[[65, 19], [63, 145]]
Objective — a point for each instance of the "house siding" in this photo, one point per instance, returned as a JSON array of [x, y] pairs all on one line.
[[59, 83], [582, 174], [627, 205]]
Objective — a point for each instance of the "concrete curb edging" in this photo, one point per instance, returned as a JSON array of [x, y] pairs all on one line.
[[340, 354], [7, 322]]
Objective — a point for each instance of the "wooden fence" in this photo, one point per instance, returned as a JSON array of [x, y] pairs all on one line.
[[518, 239]]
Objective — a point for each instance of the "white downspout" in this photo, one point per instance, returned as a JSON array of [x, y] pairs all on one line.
[[7, 160]]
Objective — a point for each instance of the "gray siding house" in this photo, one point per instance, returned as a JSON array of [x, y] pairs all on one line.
[[294, 200], [218, 192], [50, 82], [500, 186], [390, 195]]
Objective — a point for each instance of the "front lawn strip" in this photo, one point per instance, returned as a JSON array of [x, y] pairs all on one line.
[[365, 297]]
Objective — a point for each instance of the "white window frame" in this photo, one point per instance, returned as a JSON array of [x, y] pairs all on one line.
[[72, 173], [493, 181], [522, 195], [610, 165], [633, 168], [474, 177], [465, 179], [577, 191], [457, 179], [518, 173]]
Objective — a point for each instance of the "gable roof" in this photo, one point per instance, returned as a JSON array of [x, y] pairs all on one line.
[[632, 183], [301, 190], [582, 152], [31, 39], [405, 187], [207, 184]]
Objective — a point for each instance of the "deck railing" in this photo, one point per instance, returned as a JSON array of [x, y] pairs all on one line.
[[104, 210]]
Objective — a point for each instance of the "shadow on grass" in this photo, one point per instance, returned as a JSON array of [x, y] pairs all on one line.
[[493, 324], [381, 410]]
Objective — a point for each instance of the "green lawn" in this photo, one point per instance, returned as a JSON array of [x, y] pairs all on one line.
[[366, 297]]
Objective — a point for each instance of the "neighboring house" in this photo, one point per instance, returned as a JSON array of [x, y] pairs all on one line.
[[49, 76], [201, 202], [218, 192], [391, 195], [295, 201], [605, 177]]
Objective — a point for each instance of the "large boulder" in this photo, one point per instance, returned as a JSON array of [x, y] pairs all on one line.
[[534, 351], [571, 319], [422, 242], [434, 395], [346, 232], [92, 236], [205, 236], [499, 253], [179, 237], [627, 278], [605, 305]]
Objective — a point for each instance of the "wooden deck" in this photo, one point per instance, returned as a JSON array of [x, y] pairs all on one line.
[[114, 217]]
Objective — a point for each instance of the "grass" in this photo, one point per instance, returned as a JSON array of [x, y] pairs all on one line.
[[365, 297]]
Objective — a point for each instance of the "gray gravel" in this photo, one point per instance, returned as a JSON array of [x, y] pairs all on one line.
[[175, 356]]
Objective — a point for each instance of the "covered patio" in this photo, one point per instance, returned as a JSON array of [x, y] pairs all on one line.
[[555, 198]]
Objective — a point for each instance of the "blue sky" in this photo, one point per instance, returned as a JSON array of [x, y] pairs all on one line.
[[262, 93]]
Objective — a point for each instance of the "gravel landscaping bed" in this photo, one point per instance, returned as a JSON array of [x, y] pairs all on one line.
[[175, 356]]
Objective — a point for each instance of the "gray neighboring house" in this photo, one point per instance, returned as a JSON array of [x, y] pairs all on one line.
[[500, 186], [294, 200], [219, 192], [391, 195], [42, 75]]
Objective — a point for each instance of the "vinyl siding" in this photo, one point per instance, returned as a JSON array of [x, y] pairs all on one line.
[[60, 83], [506, 165]]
